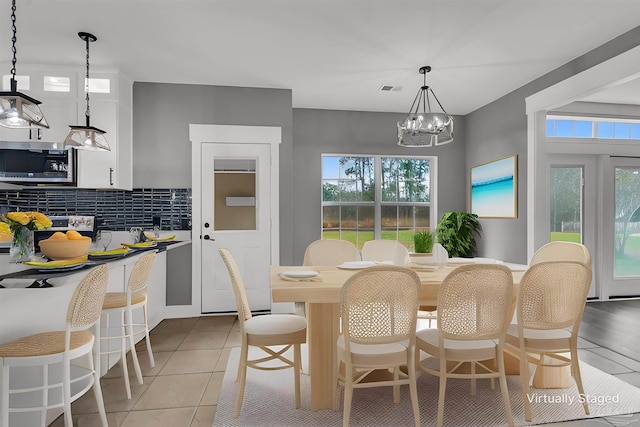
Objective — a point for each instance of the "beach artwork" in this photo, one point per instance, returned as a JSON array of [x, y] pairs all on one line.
[[494, 188]]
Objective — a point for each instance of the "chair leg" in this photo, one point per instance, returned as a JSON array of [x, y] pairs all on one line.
[[123, 357], [45, 394], [152, 361], [66, 390], [413, 388], [396, 387], [297, 362], [4, 396], [524, 379], [503, 387], [443, 387], [473, 378], [242, 376], [132, 345], [575, 371], [348, 394], [97, 390]]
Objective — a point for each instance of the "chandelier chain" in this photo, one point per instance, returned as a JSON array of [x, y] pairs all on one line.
[[13, 39]]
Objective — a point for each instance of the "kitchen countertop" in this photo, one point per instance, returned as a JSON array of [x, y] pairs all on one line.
[[24, 276]]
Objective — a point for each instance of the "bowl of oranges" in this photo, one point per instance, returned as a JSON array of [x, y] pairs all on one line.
[[65, 245]]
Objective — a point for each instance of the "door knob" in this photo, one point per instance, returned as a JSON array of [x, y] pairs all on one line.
[[207, 237]]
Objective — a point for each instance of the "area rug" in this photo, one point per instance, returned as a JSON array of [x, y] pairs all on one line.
[[269, 401]]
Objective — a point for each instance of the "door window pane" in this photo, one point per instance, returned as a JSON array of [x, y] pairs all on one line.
[[566, 204], [627, 222]]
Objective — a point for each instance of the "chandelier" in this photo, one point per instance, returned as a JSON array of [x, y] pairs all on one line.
[[426, 128], [18, 110], [87, 137]]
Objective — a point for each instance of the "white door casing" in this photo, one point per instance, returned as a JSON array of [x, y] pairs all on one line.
[[201, 136]]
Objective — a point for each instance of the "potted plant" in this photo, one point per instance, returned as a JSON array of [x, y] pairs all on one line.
[[457, 232], [423, 241], [422, 247]]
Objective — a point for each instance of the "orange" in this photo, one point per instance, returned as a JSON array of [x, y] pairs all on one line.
[[58, 235], [74, 235]]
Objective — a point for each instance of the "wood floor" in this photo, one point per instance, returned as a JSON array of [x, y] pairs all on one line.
[[614, 325]]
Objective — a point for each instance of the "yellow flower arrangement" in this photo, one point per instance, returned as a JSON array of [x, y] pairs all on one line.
[[18, 227], [29, 220]]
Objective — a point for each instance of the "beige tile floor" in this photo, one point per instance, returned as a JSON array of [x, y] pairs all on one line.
[[180, 391]]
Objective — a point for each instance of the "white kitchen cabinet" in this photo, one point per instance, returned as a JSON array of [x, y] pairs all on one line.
[[60, 108], [112, 113]]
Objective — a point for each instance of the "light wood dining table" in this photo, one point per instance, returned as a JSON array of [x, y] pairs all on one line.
[[323, 316]]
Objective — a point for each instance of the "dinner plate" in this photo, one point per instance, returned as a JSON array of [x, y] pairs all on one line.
[[58, 264], [357, 265], [299, 274], [112, 254], [61, 269], [423, 267], [162, 238], [141, 245]]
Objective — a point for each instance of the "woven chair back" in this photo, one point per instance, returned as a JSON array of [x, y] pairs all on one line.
[[141, 273], [86, 303], [380, 305], [330, 252], [553, 295], [562, 251], [385, 250], [473, 302], [242, 303]]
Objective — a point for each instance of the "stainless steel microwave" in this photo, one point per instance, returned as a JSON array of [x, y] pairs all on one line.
[[37, 166]]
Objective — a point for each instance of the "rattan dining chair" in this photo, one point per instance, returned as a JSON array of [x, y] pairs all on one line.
[[473, 316], [379, 307], [122, 305], [562, 251], [385, 250], [330, 252], [551, 300], [75, 344], [283, 331]]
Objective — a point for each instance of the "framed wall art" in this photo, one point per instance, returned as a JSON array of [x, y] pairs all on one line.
[[494, 188]]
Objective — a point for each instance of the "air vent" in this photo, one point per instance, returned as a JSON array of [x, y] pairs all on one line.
[[387, 88]]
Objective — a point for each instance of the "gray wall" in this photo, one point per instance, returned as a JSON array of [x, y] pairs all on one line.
[[499, 129], [354, 132], [161, 147]]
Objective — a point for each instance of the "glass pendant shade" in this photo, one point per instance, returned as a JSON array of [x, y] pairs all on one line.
[[426, 128], [86, 138], [18, 110]]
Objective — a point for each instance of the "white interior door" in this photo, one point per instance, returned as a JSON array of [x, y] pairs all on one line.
[[235, 214]]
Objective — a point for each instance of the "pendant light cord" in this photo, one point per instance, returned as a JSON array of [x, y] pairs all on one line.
[[13, 39], [87, 113]]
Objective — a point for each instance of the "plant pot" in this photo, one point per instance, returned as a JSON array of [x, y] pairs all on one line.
[[422, 258]]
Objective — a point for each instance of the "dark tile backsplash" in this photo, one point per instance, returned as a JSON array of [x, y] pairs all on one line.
[[114, 210]]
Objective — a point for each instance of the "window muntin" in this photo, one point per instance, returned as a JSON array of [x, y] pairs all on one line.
[[595, 129]]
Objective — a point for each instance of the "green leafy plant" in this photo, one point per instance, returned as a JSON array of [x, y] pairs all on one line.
[[423, 241], [457, 232]]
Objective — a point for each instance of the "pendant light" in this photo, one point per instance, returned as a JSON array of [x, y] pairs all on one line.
[[87, 137], [427, 128], [17, 110]]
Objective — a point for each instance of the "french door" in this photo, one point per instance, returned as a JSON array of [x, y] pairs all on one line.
[[572, 204], [621, 226]]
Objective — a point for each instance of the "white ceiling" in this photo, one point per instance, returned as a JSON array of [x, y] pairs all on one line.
[[333, 54]]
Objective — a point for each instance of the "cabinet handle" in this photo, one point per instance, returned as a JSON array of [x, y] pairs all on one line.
[[110, 176], [38, 136]]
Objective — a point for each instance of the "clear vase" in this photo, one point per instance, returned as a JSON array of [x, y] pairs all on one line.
[[22, 246]]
